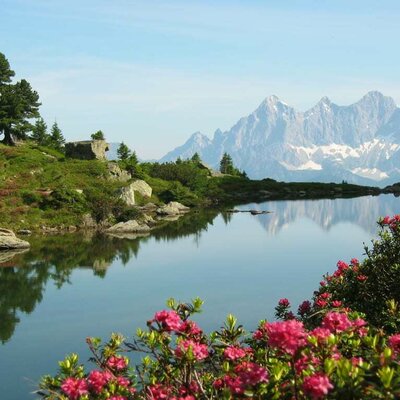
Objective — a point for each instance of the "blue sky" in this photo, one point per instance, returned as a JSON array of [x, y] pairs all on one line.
[[153, 72]]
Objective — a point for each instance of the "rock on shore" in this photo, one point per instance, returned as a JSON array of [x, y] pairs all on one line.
[[9, 241], [131, 226], [173, 208]]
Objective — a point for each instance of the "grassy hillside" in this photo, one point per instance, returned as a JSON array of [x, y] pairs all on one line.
[[39, 186]]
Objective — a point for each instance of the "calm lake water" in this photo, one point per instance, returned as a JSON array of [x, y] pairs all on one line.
[[70, 287]]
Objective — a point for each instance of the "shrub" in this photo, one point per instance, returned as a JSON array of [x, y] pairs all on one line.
[[30, 197], [342, 358], [371, 287], [129, 213]]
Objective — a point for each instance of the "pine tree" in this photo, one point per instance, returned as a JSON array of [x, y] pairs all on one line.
[[39, 133], [123, 152], [19, 103], [196, 158], [56, 139], [226, 164]]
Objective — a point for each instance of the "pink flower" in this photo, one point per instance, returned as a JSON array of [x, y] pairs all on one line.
[[169, 320], [357, 361], [199, 350], [321, 303], [317, 386], [336, 303], [117, 398], [117, 363], [387, 220], [190, 328], [287, 336], [98, 379], [159, 392], [74, 388], [304, 361], [336, 322], [233, 353], [394, 343], [251, 374], [325, 296], [284, 302], [248, 374], [362, 278], [354, 262], [122, 381], [322, 334]]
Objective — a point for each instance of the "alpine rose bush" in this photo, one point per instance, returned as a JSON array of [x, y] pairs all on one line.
[[344, 344], [343, 357]]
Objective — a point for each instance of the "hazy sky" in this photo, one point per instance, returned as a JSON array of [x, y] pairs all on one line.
[[153, 72]]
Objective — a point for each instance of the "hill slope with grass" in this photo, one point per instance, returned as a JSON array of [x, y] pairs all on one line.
[[39, 187]]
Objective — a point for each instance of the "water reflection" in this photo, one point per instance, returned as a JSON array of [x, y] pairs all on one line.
[[361, 211], [25, 274]]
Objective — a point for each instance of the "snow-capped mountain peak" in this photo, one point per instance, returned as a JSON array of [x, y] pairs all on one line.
[[357, 143]]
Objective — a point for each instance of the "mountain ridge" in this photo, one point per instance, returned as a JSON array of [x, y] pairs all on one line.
[[359, 143]]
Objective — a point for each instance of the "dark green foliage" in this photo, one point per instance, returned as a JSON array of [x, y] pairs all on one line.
[[99, 135], [131, 164], [226, 167], [6, 73], [30, 197], [123, 152], [56, 139], [64, 197], [196, 158], [103, 203], [186, 172], [129, 213], [39, 133], [19, 103], [180, 193]]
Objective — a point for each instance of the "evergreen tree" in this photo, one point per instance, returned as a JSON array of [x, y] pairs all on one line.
[[6, 73], [56, 139], [123, 152], [39, 132], [131, 163], [99, 135], [226, 164], [196, 158], [19, 103]]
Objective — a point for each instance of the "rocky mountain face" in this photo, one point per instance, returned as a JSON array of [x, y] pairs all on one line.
[[359, 143]]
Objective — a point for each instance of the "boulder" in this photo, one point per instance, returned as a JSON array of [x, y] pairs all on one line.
[[127, 193], [173, 208], [9, 241], [131, 226], [118, 174], [87, 150], [149, 208], [142, 187]]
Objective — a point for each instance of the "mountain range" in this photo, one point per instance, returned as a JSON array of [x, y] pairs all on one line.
[[358, 143]]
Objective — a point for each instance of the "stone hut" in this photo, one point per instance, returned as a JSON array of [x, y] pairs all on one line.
[[87, 149]]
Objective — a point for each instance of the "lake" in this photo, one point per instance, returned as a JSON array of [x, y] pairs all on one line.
[[73, 286]]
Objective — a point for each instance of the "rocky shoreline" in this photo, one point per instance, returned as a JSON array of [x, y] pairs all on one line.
[[151, 218]]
